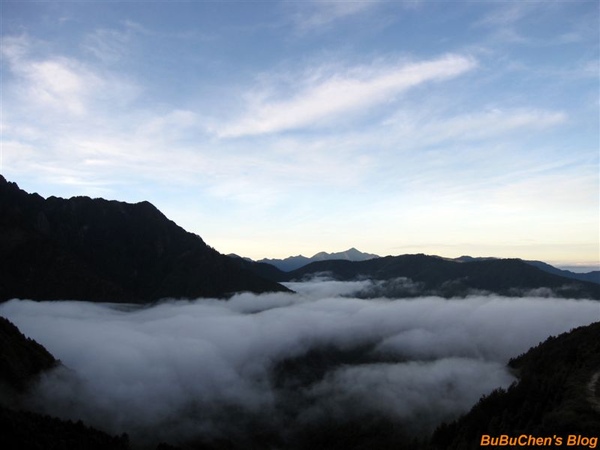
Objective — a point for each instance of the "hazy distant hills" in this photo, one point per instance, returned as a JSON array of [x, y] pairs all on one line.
[[99, 250], [593, 276], [415, 275], [295, 262]]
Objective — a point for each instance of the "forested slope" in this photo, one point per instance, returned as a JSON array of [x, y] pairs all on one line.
[[556, 396]]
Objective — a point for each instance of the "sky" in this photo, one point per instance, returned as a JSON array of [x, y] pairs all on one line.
[[278, 128]]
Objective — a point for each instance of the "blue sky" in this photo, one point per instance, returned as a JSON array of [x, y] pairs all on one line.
[[276, 128]]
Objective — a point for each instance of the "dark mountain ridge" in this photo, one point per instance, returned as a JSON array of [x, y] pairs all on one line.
[[22, 361], [297, 262], [557, 396], [99, 250], [593, 276], [414, 275]]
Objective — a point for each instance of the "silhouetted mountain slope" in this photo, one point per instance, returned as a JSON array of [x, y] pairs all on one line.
[[287, 264], [413, 275], [99, 250], [23, 430], [22, 360], [557, 395], [261, 269], [295, 262], [592, 277]]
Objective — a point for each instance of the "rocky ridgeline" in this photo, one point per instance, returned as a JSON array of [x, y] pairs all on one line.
[[99, 250]]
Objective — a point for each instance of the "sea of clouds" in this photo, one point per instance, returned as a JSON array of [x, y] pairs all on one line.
[[181, 370]]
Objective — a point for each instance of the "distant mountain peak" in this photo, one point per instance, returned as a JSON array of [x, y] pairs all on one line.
[[352, 254], [295, 262], [433, 275]]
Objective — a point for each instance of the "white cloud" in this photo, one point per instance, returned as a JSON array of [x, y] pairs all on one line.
[[507, 14], [176, 369], [108, 45], [405, 391], [317, 14], [173, 123], [420, 129], [14, 48], [59, 84], [50, 86], [325, 96]]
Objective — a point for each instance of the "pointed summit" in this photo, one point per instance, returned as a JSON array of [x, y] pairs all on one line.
[[295, 262]]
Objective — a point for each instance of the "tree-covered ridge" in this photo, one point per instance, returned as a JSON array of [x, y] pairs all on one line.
[[99, 250], [417, 275], [556, 395], [21, 358], [23, 430]]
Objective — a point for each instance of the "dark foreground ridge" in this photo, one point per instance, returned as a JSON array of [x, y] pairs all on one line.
[[557, 398], [99, 250], [418, 275], [22, 360]]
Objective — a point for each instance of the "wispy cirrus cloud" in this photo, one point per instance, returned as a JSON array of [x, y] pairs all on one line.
[[506, 14], [54, 106], [107, 45], [327, 95], [55, 83], [136, 145], [321, 13], [59, 83], [426, 128]]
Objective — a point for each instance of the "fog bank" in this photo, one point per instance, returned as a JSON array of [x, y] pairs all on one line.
[[182, 370]]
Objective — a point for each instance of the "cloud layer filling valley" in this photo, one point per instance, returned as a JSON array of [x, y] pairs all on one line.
[[205, 369]]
